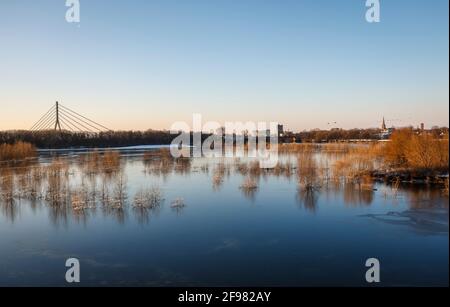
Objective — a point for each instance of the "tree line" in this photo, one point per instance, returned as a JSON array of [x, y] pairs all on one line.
[[333, 135], [65, 139]]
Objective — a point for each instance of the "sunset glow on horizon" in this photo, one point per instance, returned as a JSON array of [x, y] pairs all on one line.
[[305, 64]]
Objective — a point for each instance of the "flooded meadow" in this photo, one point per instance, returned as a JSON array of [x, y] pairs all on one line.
[[138, 216]]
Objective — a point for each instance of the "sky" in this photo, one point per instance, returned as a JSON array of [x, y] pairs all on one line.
[[307, 64]]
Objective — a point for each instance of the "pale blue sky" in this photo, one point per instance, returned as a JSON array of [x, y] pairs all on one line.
[[145, 64]]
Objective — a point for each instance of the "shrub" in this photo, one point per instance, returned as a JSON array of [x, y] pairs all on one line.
[[416, 152], [16, 151]]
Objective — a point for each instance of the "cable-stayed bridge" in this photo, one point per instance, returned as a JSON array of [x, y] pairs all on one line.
[[59, 118]]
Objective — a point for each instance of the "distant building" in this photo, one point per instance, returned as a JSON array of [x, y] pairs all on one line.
[[280, 131], [385, 132], [268, 132]]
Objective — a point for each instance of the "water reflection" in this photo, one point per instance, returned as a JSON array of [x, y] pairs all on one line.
[[147, 203], [358, 195], [75, 187], [218, 177], [427, 197], [210, 211], [9, 210], [307, 199]]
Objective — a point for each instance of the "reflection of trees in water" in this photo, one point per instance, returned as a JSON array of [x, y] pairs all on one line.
[[59, 215], [74, 189], [7, 186], [307, 198], [427, 197], [119, 214], [120, 191], [182, 166], [357, 195], [66, 195], [250, 194], [8, 205], [114, 200], [144, 214], [57, 192]]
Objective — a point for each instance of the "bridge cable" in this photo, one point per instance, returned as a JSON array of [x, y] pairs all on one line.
[[72, 123], [86, 118], [45, 123], [65, 124], [74, 117], [81, 119], [43, 118], [75, 120]]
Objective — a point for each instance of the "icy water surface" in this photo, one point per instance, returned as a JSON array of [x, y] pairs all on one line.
[[140, 219]]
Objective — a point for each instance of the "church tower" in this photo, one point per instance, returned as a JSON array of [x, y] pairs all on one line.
[[383, 125]]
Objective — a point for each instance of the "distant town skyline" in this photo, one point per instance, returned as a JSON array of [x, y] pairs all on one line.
[[305, 64]]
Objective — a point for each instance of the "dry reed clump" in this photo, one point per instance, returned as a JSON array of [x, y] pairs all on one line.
[[220, 170], [21, 183], [335, 148], [325, 148], [57, 191], [285, 169], [161, 162], [105, 197], [110, 161], [120, 192], [297, 148], [182, 165], [241, 167], [249, 183], [307, 171], [17, 151], [357, 165], [418, 153], [94, 163], [29, 184], [148, 198], [249, 187], [217, 180], [324, 171], [254, 169], [82, 199], [251, 168], [7, 186], [90, 162]]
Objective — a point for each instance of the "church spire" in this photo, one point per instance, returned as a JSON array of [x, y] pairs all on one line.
[[383, 125]]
